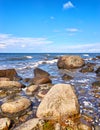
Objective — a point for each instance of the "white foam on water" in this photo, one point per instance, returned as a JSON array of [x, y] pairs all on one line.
[[28, 57], [85, 54]]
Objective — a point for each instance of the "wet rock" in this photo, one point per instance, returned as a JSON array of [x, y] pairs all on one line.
[[16, 106], [10, 84], [4, 79], [70, 62], [59, 102], [31, 89], [96, 84], [42, 80], [4, 123], [29, 125], [98, 71], [98, 57], [67, 77], [40, 73], [87, 69], [9, 73]]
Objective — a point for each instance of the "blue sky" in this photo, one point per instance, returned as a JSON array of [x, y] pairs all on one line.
[[50, 26]]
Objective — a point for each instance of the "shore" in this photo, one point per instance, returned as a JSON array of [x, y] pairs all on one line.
[[20, 97]]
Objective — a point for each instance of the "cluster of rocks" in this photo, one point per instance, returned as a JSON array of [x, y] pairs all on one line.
[[59, 108]]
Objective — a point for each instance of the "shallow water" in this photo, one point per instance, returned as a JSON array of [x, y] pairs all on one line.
[[89, 98]]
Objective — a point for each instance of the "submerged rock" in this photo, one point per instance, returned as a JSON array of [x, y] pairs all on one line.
[[16, 106], [87, 69], [96, 84], [40, 73], [70, 62], [4, 123], [67, 77], [59, 102]]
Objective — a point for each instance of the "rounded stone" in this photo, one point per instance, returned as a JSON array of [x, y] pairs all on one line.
[[70, 62], [15, 106], [10, 84]]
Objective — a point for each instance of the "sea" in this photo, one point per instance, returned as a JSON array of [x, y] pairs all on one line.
[[25, 63]]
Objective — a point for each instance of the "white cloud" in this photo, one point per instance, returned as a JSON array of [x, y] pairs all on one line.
[[10, 40], [75, 48], [68, 5], [72, 29], [2, 45]]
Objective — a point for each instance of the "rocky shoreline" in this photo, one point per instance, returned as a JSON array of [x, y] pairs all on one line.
[[37, 104]]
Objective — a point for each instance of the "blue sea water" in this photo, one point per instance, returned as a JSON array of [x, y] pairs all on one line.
[[24, 63]]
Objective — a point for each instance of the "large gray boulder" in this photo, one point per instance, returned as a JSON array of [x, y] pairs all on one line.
[[70, 62], [59, 102]]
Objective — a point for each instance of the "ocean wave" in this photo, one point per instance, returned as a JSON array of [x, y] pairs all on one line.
[[85, 54], [19, 58], [36, 64]]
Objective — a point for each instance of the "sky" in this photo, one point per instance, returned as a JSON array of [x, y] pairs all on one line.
[[39, 26]]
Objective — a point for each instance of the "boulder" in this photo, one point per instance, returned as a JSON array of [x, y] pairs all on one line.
[[40, 73], [10, 84], [4, 123], [16, 106], [42, 80], [70, 62], [60, 102], [9, 73], [29, 125]]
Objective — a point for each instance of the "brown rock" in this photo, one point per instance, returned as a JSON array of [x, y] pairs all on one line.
[[70, 62], [15, 106], [67, 77], [10, 84], [9, 73], [58, 103], [87, 69], [4, 123], [42, 80], [40, 73]]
